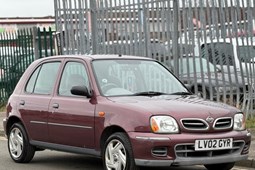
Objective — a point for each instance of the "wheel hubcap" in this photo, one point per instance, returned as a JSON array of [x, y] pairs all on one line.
[[16, 143], [115, 156]]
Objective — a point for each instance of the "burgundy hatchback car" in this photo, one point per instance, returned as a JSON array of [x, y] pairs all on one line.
[[131, 111]]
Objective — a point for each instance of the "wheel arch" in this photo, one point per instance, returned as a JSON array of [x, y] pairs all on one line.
[[118, 137], [12, 120], [108, 132]]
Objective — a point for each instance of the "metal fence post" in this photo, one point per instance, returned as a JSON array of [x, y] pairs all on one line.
[[175, 37], [145, 31], [35, 43], [93, 19]]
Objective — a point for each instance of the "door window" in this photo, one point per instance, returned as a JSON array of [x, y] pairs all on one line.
[[31, 83], [74, 74], [43, 79]]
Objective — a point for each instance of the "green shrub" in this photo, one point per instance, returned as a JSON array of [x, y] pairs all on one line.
[[250, 123]]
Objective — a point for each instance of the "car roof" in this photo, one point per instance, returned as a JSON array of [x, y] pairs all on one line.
[[99, 57], [240, 40]]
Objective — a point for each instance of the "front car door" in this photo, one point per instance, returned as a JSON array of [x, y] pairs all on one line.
[[71, 121]]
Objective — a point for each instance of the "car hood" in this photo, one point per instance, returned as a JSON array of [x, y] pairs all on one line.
[[222, 78], [175, 105]]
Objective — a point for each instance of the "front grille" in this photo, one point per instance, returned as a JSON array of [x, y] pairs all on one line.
[[188, 151], [194, 124], [223, 123]]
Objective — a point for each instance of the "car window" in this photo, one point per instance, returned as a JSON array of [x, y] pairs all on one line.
[[127, 77], [74, 74], [218, 53], [46, 78], [195, 65], [31, 83], [246, 53]]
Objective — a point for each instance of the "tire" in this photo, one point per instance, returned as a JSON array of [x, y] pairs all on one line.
[[121, 157], [223, 166], [19, 147]]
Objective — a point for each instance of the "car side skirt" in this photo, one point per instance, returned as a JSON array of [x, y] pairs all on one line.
[[65, 148]]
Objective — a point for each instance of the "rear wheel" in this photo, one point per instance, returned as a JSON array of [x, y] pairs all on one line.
[[118, 154], [223, 166], [18, 144]]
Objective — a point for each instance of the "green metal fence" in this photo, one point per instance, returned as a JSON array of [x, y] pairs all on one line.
[[46, 43], [17, 51]]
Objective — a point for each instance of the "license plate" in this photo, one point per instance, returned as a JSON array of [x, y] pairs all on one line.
[[213, 144]]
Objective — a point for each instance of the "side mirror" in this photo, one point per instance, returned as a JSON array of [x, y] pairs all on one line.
[[80, 91]]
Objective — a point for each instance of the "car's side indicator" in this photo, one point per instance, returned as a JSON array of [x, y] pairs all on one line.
[[101, 114]]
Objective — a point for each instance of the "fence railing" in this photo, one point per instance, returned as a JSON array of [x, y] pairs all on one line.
[[209, 45], [18, 50], [46, 43]]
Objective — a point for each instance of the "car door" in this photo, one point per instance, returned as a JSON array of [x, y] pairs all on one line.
[[34, 101], [71, 121]]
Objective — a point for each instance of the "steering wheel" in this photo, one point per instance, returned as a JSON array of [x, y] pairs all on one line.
[[108, 86]]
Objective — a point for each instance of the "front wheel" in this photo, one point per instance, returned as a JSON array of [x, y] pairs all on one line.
[[223, 166], [18, 144], [118, 154]]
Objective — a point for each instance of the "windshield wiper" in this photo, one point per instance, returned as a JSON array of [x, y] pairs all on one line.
[[181, 93], [149, 93]]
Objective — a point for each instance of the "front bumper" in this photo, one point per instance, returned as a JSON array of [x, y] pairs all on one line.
[[164, 150], [183, 162]]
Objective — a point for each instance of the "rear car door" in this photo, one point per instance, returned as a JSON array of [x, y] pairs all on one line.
[[71, 121], [34, 101]]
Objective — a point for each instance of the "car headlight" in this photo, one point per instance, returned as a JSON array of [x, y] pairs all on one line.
[[239, 122], [164, 124]]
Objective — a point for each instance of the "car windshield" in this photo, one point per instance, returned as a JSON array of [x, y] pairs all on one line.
[[135, 77], [219, 53], [195, 65], [246, 53]]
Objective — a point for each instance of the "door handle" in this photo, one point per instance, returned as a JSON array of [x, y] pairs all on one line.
[[55, 105], [22, 102]]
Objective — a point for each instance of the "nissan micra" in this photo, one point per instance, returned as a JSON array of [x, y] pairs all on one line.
[[130, 111]]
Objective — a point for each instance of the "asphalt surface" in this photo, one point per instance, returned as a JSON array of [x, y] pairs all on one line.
[[249, 163]]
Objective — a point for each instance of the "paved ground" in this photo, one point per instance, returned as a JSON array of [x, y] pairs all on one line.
[[1, 123], [250, 162]]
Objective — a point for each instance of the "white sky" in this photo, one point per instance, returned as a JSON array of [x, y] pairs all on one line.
[[40, 8], [26, 8]]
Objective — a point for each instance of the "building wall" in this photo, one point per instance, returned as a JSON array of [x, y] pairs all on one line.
[[14, 24]]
